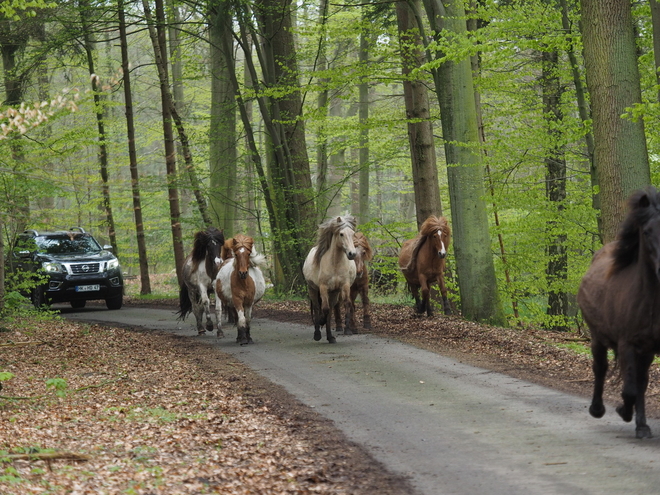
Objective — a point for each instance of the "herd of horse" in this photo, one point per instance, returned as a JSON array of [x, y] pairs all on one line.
[[619, 296], [335, 270]]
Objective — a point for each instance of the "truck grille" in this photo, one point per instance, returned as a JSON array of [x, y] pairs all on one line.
[[82, 268]]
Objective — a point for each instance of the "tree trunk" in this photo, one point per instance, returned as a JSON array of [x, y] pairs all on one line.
[[420, 128], [89, 44], [290, 172], [620, 153], [363, 118], [474, 260], [222, 129], [145, 282], [555, 183], [160, 55]]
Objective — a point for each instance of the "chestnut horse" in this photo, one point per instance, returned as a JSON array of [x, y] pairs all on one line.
[[240, 284], [620, 301], [329, 270], [422, 261], [197, 283], [363, 254]]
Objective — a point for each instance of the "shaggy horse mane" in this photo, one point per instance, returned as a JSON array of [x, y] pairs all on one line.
[[643, 205], [202, 239], [430, 226], [327, 230], [361, 240]]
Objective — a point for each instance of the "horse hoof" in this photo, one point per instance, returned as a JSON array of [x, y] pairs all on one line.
[[348, 331], [625, 414], [643, 432], [317, 335], [201, 332], [366, 325], [221, 334], [597, 411], [332, 340]]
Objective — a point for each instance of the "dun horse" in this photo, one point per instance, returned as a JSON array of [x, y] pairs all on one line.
[[329, 270], [620, 301], [363, 254], [240, 284], [422, 261], [197, 283]]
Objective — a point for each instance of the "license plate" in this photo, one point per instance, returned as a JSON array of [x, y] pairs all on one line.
[[87, 288]]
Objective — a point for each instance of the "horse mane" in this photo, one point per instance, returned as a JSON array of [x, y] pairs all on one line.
[[242, 240], [642, 206], [257, 259], [430, 226], [327, 230], [361, 240], [201, 241]]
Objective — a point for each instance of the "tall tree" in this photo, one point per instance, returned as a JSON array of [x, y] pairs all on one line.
[[363, 117], [418, 113], [474, 259], [145, 282], [222, 128], [620, 152], [555, 185], [86, 13], [157, 35]]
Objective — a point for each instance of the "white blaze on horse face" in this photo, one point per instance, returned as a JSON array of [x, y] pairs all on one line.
[[242, 250], [443, 250]]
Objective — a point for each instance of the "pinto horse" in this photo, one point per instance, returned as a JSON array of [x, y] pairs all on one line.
[[620, 300], [330, 271], [197, 283], [363, 254], [422, 261], [240, 284]]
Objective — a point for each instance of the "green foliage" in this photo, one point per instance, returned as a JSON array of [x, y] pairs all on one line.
[[58, 385], [5, 376]]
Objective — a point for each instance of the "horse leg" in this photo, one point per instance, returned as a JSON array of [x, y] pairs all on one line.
[[248, 319], [218, 314], [332, 302], [643, 364], [242, 338], [198, 311], [351, 323], [443, 291], [418, 303], [338, 325], [314, 304], [345, 297], [426, 297], [366, 310], [628, 362], [599, 366], [205, 304], [325, 305]]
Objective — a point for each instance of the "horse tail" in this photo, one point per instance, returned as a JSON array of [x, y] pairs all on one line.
[[257, 259], [185, 304]]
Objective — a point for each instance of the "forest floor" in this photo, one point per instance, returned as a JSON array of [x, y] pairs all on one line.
[[147, 413]]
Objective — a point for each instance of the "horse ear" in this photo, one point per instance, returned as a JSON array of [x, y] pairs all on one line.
[[644, 201], [338, 219]]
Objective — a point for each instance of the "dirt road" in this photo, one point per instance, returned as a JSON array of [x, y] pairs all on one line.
[[453, 428]]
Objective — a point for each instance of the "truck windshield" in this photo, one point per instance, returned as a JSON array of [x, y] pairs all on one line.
[[77, 244]]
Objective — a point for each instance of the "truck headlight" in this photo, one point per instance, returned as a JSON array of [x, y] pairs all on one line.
[[114, 263], [52, 267]]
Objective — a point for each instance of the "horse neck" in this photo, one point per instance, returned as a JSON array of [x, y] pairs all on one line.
[[646, 270], [338, 256]]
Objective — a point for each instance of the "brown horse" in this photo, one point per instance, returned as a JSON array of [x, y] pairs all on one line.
[[240, 285], [329, 271], [422, 261], [198, 283], [620, 301], [363, 254]]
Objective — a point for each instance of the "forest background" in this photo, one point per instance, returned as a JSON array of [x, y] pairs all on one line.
[[144, 122]]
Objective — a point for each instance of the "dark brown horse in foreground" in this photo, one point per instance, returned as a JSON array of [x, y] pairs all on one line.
[[363, 254], [620, 301], [422, 261]]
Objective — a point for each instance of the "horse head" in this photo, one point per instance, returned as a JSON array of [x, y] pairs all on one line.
[[345, 237], [437, 231], [363, 252], [242, 248]]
